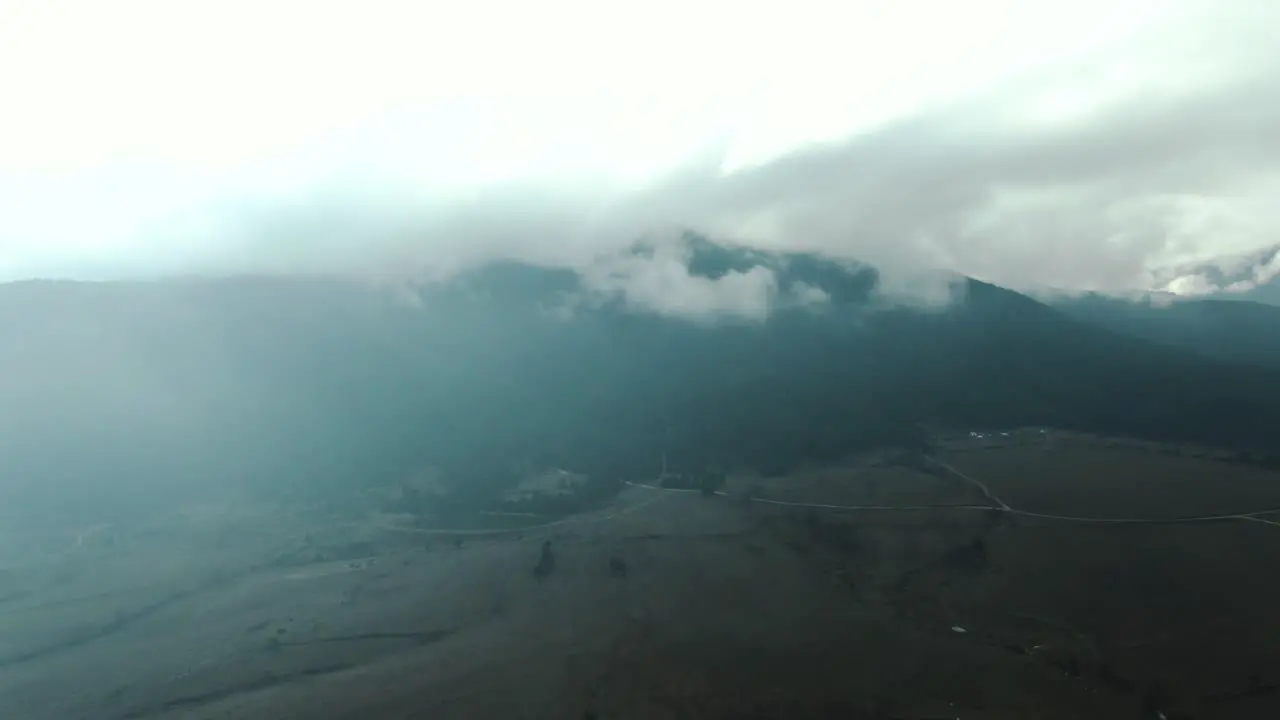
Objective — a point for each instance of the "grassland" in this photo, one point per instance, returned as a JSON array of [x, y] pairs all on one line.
[[730, 608]]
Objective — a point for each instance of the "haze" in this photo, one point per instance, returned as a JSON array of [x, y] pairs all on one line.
[[639, 360], [1033, 144]]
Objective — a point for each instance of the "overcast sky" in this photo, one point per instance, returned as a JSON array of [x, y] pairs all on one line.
[[1081, 144]]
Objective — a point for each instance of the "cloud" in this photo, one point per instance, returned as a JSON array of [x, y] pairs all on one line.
[[1142, 158], [659, 281], [1230, 274], [809, 296]]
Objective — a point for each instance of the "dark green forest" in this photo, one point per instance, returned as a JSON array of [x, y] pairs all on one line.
[[294, 387], [1238, 331]]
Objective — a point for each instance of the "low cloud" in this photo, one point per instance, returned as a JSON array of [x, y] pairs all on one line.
[[1150, 195], [661, 283], [1143, 166]]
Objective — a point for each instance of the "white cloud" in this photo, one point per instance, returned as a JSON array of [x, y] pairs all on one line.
[[809, 296], [1072, 145], [659, 281]]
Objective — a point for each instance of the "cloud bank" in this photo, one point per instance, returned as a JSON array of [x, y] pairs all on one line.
[[1033, 145]]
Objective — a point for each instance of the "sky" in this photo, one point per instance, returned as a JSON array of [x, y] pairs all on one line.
[[1063, 145]]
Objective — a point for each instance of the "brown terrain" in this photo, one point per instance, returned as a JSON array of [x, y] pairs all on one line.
[[668, 604]]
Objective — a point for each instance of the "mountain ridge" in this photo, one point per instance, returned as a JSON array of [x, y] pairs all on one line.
[[312, 386], [1230, 330]]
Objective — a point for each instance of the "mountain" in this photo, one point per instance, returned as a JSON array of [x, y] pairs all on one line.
[[1238, 331], [117, 390], [1267, 293]]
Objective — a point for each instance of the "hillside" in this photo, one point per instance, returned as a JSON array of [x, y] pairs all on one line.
[[313, 386], [1231, 330]]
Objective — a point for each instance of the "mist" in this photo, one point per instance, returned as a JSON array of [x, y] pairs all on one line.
[[500, 359], [1032, 147]]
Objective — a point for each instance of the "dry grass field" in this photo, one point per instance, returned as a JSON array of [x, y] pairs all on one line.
[[727, 608]]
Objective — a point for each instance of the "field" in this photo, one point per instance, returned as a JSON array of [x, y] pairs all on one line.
[[667, 604]]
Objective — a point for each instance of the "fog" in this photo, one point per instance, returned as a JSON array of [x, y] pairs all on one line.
[[316, 450], [1074, 146]]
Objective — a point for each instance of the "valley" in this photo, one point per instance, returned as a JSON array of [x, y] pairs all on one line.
[[875, 588]]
